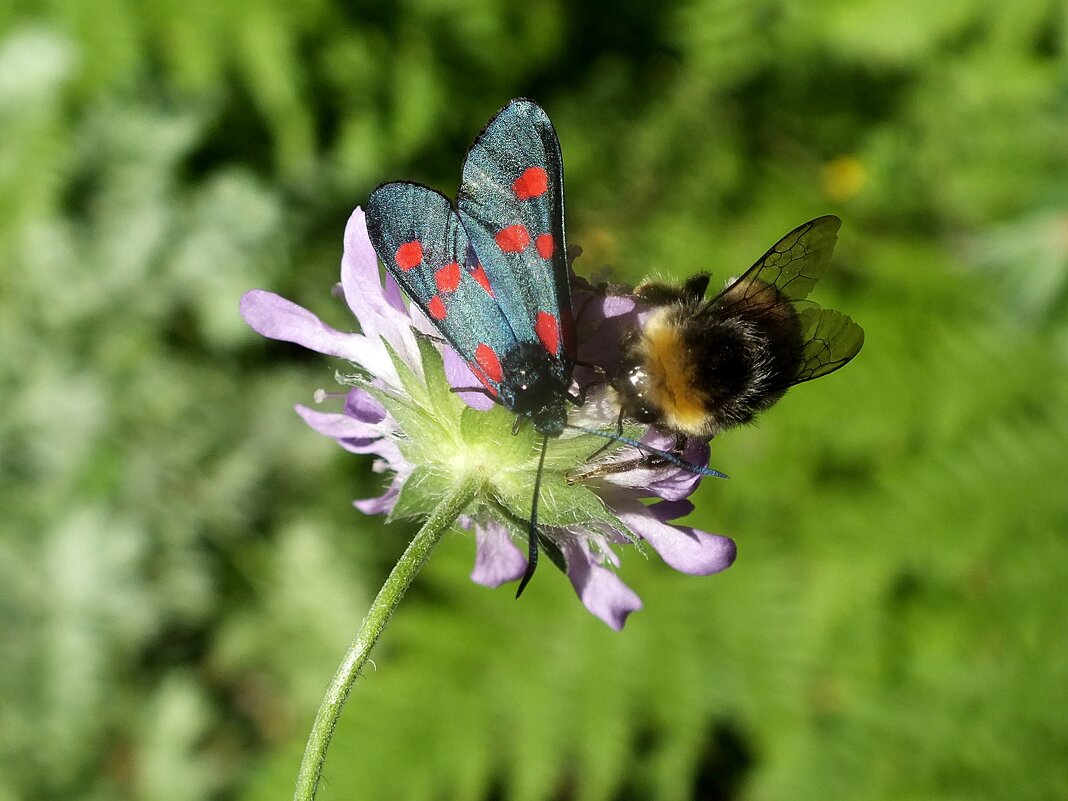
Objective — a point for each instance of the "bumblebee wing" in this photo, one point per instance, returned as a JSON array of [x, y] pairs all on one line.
[[793, 265], [831, 340], [511, 201], [419, 237]]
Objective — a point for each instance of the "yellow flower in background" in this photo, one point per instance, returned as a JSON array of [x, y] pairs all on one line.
[[844, 178]]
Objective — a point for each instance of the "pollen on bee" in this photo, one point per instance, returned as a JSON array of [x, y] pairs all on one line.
[[671, 368]]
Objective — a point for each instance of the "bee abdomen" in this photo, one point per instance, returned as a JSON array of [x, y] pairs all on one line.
[[745, 361]]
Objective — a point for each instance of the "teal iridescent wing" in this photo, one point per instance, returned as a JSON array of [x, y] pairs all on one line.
[[419, 237], [511, 202]]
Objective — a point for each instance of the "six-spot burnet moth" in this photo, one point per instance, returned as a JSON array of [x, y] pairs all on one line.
[[492, 273]]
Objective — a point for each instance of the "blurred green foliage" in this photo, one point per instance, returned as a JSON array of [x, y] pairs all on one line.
[[180, 568]]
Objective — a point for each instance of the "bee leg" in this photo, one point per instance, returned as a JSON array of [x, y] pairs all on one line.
[[606, 469], [577, 399], [680, 444], [646, 459]]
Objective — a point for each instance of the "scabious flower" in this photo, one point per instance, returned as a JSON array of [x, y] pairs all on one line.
[[400, 408]]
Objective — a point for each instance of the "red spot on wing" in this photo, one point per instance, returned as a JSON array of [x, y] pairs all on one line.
[[482, 378], [436, 307], [489, 362], [409, 255], [532, 183], [479, 274], [448, 277], [545, 246], [548, 330], [513, 239]]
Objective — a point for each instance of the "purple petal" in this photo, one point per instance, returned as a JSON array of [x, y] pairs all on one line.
[[360, 279], [386, 448], [356, 436], [600, 410], [364, 407], [386, 502], [497, 559], [421, 323], [375, 306], [602, 321], [688, 550], [600, 590], [393, 295], [596, 307], [277, 318], [338, 426], [383, 503], [661, 481], [372, 304]]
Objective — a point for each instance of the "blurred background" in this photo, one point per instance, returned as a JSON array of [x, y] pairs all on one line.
[[181, 568]]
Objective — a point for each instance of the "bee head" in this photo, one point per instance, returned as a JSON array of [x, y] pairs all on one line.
[[635, 388]]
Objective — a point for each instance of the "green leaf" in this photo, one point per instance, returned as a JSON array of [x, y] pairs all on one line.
[[413, 386], [440, 399]]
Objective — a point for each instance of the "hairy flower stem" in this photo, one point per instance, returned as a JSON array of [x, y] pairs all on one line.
[[400, 578]]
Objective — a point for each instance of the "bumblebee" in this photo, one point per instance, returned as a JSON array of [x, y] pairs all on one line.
[[697, 366]]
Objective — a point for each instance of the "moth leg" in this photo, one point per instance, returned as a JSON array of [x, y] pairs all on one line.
[[595, 367], [479, 390], [580, 398]]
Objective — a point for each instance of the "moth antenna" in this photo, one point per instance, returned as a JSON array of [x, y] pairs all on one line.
[[667, 456], [532, 534]]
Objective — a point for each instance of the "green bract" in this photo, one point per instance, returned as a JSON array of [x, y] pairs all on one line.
[[448, 441]]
